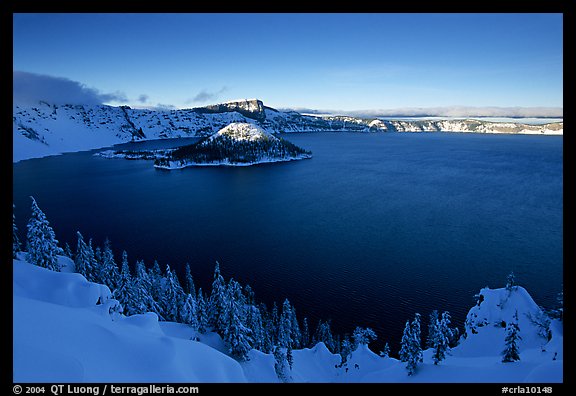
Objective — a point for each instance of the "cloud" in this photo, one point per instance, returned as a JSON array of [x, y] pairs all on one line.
[[205, 96], [30, 88], [447, 111], [143, 98]]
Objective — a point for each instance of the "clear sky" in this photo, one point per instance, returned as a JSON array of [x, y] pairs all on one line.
[[319, 61]]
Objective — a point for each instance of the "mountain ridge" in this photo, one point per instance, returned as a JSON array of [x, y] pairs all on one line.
[[50, 129]]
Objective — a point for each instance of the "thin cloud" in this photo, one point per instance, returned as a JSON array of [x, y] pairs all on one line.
[[205, 96], [448, 111], [30, 88], [143, 98]]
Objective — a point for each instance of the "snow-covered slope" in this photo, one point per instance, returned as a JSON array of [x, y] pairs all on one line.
[[243, 131], [67, 329], [48, 129]]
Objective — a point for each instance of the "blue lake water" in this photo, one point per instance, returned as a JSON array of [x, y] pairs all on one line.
[[372, 229]]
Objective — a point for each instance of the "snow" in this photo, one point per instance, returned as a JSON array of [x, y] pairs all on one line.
[[47, 129], [65, 330], [243, 131]]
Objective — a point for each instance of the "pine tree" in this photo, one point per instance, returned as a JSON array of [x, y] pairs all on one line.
[[432, 328], [15, 239], [202, 312], [189, 287], [411, 350], [172, 298], [109, 273], [285, 326], [217, 301], [85, 261], [189, 312], [324, 334], [281, 365], [68, 251], [143, 291], [255, 323], [386, 351], [511, 352], [125, 292], [363, 336], [305, 333], [157, 281], [440, 344], [510, 281], [235, 333], [42, 245]]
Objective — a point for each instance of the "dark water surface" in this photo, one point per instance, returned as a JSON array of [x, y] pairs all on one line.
[[371, 230]]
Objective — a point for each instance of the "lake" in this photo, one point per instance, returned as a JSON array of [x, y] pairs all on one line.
[[372, 229]]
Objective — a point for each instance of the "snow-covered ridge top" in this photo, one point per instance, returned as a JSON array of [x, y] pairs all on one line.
[[243, 131]]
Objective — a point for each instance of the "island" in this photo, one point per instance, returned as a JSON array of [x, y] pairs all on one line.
[[237, 144]]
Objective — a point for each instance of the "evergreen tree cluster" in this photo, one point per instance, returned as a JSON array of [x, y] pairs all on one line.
[[230, 309], [226, 148]]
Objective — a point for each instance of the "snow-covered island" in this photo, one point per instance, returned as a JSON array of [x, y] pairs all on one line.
[[89, 319], [237, 144]]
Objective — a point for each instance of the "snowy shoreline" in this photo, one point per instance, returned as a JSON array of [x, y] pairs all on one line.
[[173, 166]]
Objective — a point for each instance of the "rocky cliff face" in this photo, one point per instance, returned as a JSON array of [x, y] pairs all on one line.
[[251, 108]]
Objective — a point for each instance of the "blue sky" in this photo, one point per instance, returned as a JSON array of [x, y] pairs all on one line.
[[319, 61]]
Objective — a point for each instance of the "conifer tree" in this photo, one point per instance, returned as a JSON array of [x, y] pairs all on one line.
[[189, 311], [143, 291], [189, 287], [386, 351], [218, 301], [109, 273], [511, 351], [202, 312], [441, 342], [42, 246], [324, 334], [510, 281], [281, 365], [305, 333], [432, 328], [285, 326], [235, 333], [172, 298], [363, 336], [125, 292], [411, 350], [85, 261], [68, 251]]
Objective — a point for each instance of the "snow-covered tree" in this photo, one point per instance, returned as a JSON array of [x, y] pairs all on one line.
[[363, 336], [235, 332], [218, 301], [125, 293], [386, 351], [305, 333], [109, 273], [432, 328], [441, 341], [15, 239], [189, 311], [85, 260], [172, 297], [510, 281], [42, 245], [143, 292], [255, 323], [281, 365], [285, 339], [511, 351], [324, 334], [411, 350], [189, 287], [202, 312], [68, 251]]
